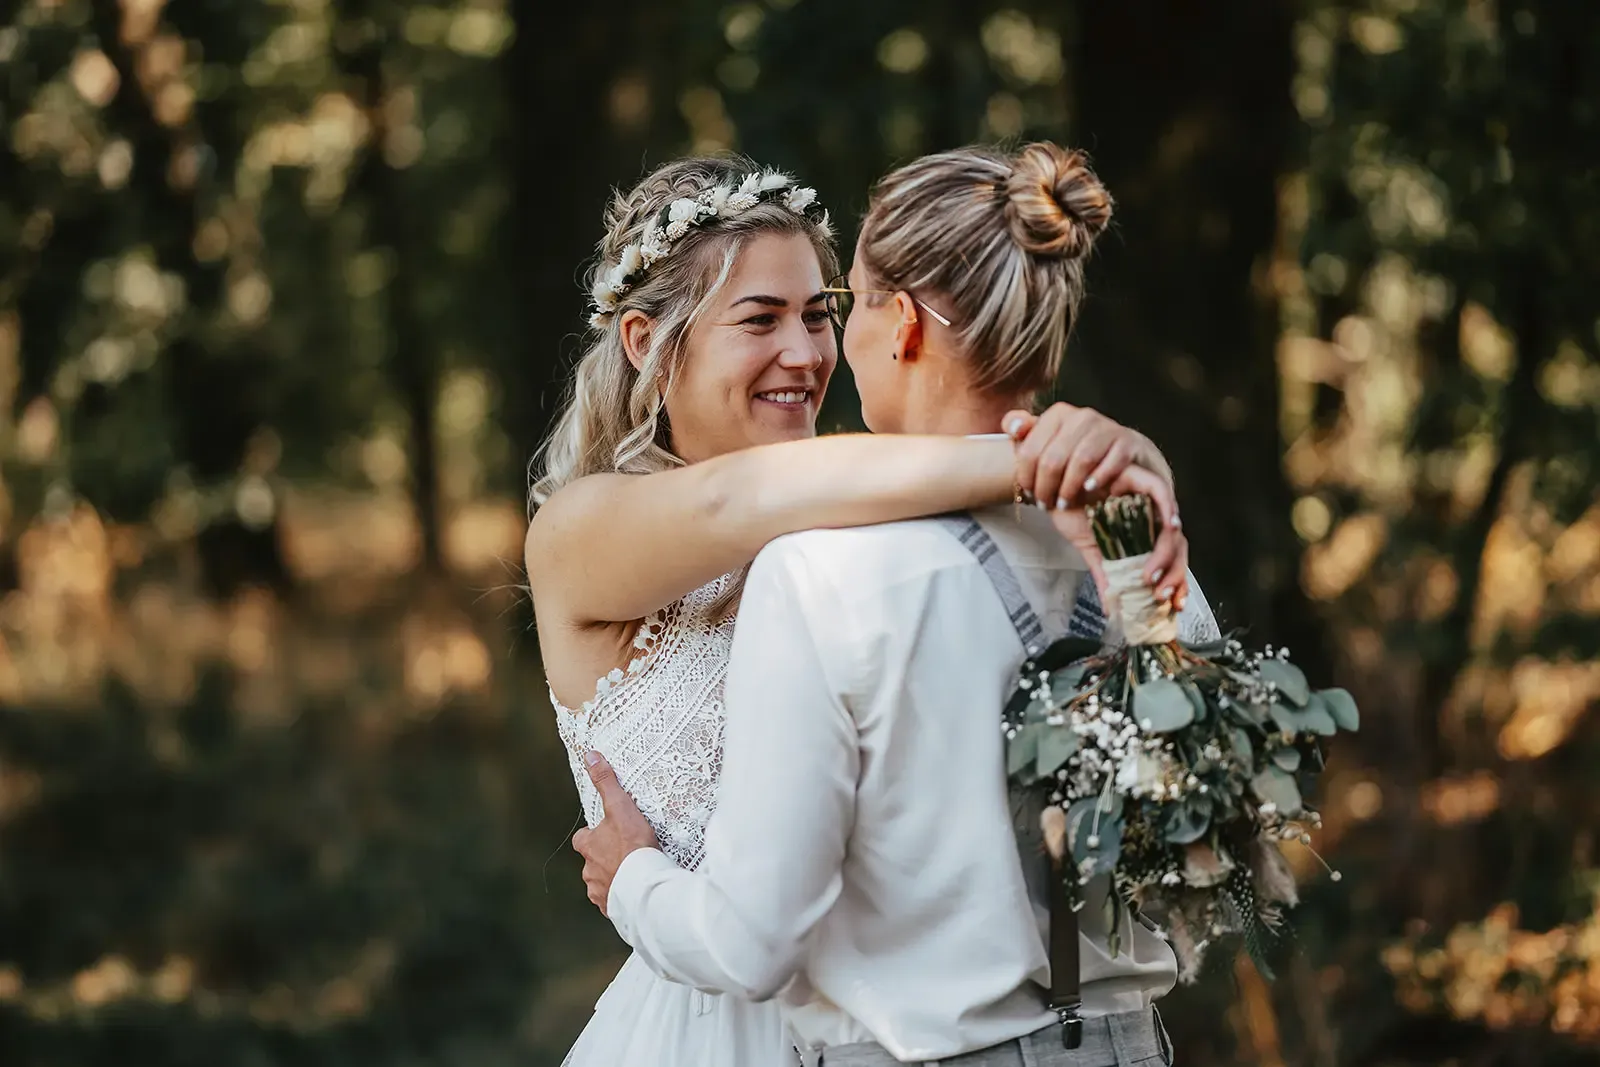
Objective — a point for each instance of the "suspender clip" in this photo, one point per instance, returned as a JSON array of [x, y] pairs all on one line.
[[1071, 1027]]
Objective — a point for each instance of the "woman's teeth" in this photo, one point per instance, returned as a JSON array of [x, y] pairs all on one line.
[[786, 397]]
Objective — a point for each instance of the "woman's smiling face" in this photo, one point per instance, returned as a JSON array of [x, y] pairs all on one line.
[[758, 363]]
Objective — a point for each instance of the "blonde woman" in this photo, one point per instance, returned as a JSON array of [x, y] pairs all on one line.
[[687, 446]]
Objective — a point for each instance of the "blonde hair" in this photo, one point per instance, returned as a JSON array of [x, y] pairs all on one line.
[[1000, 239], [615, 419]]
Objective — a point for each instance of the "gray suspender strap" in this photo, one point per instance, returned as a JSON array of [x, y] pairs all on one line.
[[1065, 988], [977, 541]]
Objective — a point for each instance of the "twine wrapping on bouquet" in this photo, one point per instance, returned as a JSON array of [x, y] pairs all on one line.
[[1145, 620]]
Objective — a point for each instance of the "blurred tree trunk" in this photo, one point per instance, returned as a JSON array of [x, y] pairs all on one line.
[[594, 91], [1178, 334], [215, 399], [415, 362]]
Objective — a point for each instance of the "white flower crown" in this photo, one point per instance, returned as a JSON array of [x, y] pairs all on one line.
[[720, 202]]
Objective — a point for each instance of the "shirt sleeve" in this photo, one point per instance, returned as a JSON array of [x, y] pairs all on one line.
[[775, 846]]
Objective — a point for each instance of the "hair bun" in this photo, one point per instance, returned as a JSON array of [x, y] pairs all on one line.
[[1054, 203]]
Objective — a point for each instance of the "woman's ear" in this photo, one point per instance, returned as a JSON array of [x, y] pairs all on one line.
[[908, 332], [635, 332]]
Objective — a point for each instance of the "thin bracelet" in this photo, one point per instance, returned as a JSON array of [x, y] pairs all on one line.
[[1019, 497]]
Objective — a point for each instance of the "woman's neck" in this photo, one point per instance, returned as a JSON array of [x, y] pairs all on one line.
[[957, 411]]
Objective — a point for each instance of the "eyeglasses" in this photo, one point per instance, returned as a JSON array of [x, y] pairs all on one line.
[[841, 298]]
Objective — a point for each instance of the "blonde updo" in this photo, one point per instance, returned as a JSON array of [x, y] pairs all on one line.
[[1054, 203], [615, 419], [997, 241]]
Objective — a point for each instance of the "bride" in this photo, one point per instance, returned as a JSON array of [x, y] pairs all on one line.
[[687, 445]]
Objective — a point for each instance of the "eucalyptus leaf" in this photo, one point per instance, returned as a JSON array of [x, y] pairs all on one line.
[[1065, 682], [1113, 917], [1040, 706], [1317, 718], [1096, 840], [1023, 749], [1278, 787], [1287, 677], [1197, 700], [1342, 706], [1163, 704], [1289, 720], [1242, 746], [1187, 820], [1056, 746], [1287, 758]]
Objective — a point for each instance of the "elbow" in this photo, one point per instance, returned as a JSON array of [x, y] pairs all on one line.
[[766, 973]]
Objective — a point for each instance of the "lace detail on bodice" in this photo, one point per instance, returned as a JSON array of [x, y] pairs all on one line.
[[659, 723]]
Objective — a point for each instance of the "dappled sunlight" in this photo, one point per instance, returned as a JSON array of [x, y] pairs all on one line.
[[63, 634], [1495, 973], [1438, 422]]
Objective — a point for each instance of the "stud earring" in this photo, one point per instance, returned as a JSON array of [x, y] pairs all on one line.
[[894, 355]]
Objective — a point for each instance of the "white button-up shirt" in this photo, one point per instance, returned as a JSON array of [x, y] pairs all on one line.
[[862, 864]]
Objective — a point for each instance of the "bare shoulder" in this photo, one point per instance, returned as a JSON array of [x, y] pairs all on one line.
[[555, 533]]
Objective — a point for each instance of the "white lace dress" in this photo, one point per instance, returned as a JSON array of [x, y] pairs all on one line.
[[659, 723]]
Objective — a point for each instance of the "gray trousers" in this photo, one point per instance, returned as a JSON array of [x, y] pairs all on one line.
[[1132, 1039]]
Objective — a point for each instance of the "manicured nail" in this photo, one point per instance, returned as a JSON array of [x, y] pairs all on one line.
[[1061, 503], [591, 757], [1180, 602], [1089, 483], [1013, 426], [1175, 522], [1156, 577], [1166, 594]]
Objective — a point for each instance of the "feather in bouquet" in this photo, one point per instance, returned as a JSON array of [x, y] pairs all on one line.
[[1175, 769]]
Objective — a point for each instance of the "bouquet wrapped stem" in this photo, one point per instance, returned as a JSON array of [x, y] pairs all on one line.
[[1174, 769]]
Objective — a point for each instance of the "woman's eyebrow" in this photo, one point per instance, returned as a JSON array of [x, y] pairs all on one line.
[[773, 301], [765, 301]]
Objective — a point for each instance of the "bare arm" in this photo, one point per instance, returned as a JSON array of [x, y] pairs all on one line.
[[615, 547]]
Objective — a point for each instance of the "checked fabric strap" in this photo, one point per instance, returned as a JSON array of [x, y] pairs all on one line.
[[1088, 620]]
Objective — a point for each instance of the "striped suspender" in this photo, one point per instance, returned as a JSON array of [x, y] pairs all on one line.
[[1088, 620]]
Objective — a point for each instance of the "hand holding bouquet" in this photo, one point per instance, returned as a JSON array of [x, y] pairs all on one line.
[[1175, 769]]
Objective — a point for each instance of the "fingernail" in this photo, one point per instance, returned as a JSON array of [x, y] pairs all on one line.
[[1156, 577], [1013, 426], [1061, 503], [1175, 522], [591, 757], [1180, 602], [1089, 483], [1166, 594]]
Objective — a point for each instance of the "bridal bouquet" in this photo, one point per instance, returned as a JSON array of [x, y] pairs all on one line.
[[1176, 769]]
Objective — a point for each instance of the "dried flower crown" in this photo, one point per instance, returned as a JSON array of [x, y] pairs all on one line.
[[676, 219]]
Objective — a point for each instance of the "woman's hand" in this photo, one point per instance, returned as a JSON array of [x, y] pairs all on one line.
[[1069, 456], [1167, 569]]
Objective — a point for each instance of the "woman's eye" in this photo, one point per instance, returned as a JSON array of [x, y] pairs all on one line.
[[817, 318], [761, 321]]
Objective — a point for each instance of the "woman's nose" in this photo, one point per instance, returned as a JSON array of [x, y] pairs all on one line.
[[800, 353]]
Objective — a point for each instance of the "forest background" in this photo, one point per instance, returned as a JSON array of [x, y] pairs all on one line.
[[289, 291]]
